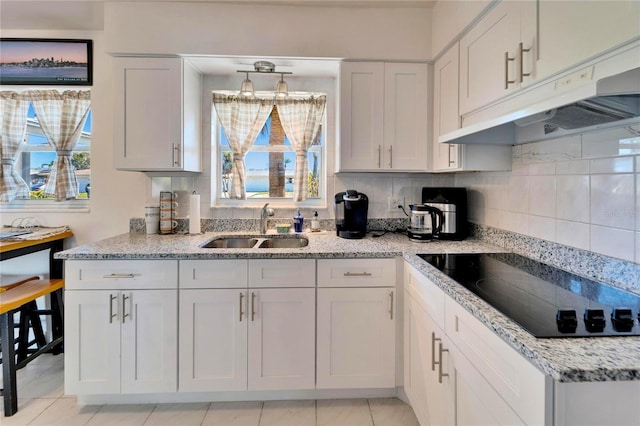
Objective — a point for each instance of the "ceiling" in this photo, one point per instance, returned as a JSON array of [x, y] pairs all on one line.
[[300, 67]]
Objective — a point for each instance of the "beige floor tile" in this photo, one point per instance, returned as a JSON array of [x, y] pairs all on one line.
[[288, 413], [343, 412], [233, 414], [392, 412], [184, 414], [49, 383], [66, 411], [122, 415], [28, 410]]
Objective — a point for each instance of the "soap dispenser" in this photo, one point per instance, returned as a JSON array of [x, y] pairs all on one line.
[[297, 221], [315, 223]]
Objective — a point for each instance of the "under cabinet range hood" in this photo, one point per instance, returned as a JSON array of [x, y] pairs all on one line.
[[555, 108]]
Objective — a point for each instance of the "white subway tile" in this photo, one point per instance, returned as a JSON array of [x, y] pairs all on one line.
[[574, 167], [572, 199], [613, 201], [613, 242], [518, 194], [540, 169], [573, 234], [515, 222], [542, 195], [542, 227], [612, 165]]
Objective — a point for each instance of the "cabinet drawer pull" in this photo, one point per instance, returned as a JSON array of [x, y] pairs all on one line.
[[241, 297], [434, 339], [391, 305], [521, 51], [440, 373], [507, 59], [111, 314], [253, 302], [391, 156], [119, 276], [176, 154], [357, 274], [379, 153], [124, 308]]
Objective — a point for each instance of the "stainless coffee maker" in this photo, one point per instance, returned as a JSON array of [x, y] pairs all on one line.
[[452, 202], [351, 214]]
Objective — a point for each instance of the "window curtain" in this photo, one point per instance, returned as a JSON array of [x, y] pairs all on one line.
[[13, 116], [241, 119], [301, 120], [62, 117]]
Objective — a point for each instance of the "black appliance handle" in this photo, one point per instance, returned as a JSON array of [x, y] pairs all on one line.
[[433, 210]]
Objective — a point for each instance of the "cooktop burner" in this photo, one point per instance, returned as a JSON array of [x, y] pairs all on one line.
[[545, 301]]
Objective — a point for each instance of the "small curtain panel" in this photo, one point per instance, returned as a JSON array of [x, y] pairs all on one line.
[[301, 120], [13, 116], [62, 117], [241, 119]]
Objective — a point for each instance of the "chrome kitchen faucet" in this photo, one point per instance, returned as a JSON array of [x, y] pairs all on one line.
[[264, 214]]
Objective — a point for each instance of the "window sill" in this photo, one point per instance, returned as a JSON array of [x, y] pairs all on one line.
[[46, 206], [258, 203]]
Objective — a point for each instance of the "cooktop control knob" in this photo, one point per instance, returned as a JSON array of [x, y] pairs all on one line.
[[567, 320], [594, 320], [622, 319]]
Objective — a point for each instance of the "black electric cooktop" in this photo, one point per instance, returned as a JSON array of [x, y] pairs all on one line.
[[545, 301]]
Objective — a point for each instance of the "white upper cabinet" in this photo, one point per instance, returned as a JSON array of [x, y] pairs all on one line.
[[446, 118], [571, 31], [383, 116], [157, 115], [497, 56]]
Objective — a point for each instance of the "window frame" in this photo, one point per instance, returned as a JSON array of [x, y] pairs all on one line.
[[252, 203]]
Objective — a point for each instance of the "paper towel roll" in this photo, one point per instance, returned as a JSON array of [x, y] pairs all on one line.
[[194, 213]]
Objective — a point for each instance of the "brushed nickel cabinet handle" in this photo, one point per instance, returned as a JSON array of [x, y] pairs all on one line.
[[521, 51], [253, 302], [119, 276], [391, 305], [379, 155], [451, 161], [357, 274], [434, 339], [440, 373], [111, 314], [391, 156], [124, 308], [241, 313], [507, 59], [176, 154]]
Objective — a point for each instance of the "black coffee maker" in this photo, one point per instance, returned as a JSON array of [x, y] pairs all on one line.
[[351, 214]]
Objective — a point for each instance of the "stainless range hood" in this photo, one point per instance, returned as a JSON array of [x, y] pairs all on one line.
[[555, 108]]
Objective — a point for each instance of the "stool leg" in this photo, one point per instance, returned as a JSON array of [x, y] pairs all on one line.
[[33, 317], [23, 333], [9, 391]]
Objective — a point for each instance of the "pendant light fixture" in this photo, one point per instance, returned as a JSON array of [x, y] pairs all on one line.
[[281, 87], [246, 89], [263, 67]]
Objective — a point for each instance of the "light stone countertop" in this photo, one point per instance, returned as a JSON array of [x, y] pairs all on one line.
[[564, 359]]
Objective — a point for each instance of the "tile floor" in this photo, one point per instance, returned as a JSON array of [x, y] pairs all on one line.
[[42, 402]]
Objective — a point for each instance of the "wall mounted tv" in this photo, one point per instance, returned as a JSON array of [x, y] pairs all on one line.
[[40, 61]]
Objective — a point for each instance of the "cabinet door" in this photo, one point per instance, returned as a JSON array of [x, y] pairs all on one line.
[[361, 115], [406, 117], [149, 353], [446, 117], [148, 126], [213, 340], [356, 338], [281, 339], [92, 342], [571, 32], [485, 72]]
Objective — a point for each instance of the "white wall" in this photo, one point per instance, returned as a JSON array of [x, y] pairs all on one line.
[[115, 196], [581, 191], [450, 18]]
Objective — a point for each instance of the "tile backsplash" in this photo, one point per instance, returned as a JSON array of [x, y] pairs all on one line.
[[582, 191]]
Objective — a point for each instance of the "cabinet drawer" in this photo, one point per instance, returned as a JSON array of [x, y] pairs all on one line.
[[227, 273], [282, 273], [120, 274], [425, 293], [356, 273], [517, 381]]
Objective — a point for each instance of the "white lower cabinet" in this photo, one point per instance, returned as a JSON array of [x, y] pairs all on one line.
[[119, 336], [120, 341], [457, 371], [356, 323]]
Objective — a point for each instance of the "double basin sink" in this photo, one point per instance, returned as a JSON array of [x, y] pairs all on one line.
[[260, 242]]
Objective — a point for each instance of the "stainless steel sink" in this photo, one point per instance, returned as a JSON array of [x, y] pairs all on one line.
[[263, 242], [284, 243], [230, 242]]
